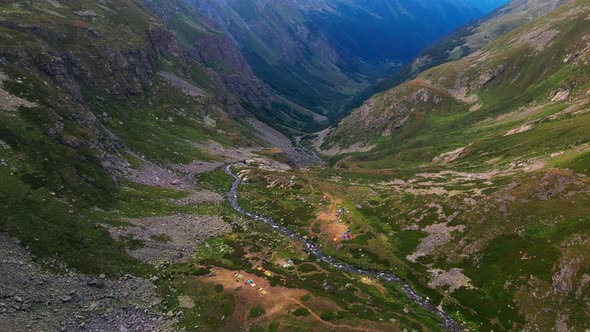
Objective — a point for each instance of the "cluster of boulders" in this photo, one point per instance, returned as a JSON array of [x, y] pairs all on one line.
[[33, 299], [170, 238]]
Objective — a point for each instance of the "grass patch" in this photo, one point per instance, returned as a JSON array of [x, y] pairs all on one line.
[[301, 312], [257, 311]]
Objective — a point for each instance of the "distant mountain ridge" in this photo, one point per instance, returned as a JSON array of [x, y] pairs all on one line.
[[462, 42], [534, 69], [318, 53], [486, 6]]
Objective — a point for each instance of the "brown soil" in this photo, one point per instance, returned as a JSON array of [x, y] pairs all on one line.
[[278, 303], [329, 228], [278, 300]]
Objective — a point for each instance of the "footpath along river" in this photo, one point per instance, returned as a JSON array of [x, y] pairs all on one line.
[[448, 323]]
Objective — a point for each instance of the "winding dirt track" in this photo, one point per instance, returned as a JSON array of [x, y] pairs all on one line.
[[447, 322]]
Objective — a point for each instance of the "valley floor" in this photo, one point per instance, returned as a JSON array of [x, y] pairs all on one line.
[[492, 248]]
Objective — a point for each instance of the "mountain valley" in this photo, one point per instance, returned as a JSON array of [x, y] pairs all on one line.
[[315, 165]]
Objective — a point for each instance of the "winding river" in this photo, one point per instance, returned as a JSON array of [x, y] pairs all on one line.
[[447, 322]]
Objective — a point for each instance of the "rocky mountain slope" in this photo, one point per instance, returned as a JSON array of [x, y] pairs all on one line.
[[537, 67], [470, 181], [318, 53], [206, 42], [107, 114]]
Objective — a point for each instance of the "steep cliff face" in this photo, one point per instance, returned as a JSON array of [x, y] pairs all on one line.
[[72, 60], [204, 42], [97, 74]]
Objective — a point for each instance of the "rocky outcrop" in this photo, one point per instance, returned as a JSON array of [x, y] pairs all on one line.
[[563, 280], [170, 238], [163, 42], [213, 49], [9, 102], [448, 157], [113, 71], [386, 114], [237, 75]]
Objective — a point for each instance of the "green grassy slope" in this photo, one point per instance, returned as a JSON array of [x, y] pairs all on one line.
[[494, 249], [475, 183], [524, 92], [82, 105], [461, 43], [91, 74]]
